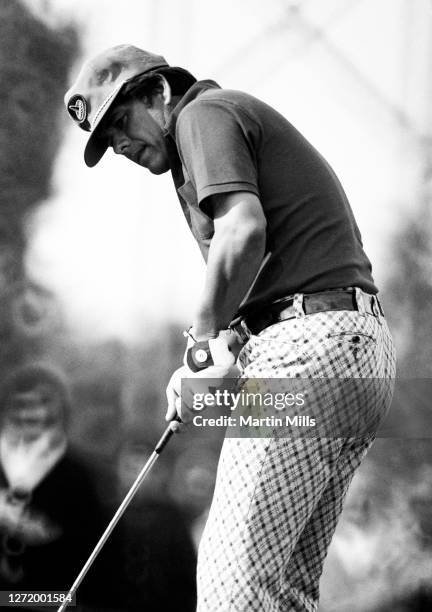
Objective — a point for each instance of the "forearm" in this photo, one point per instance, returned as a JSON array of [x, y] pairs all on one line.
[[234, 259], [235, 256]]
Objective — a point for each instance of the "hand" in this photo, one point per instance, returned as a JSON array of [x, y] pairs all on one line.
[[185, 384], [173, 393]]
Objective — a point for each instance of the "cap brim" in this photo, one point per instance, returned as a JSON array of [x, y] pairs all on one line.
[[95, 150], [96, 146]]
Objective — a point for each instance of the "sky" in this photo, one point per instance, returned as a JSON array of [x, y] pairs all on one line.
[[350, 74]]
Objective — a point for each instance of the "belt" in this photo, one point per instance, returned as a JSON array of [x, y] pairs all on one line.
[[323, 301]]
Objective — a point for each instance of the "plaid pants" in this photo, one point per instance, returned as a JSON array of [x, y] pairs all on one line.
[[277, 500]]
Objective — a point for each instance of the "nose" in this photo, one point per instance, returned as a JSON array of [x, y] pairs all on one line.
[[120, 144]]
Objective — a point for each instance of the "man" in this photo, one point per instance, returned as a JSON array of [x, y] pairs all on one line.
[[287, 271], [49, 514]]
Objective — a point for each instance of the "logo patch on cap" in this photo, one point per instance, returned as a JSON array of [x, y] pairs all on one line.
[[77, 108]]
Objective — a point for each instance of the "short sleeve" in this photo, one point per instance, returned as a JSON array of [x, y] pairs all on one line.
[[217, 144]]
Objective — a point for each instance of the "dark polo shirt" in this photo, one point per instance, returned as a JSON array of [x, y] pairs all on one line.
[[222, 141]]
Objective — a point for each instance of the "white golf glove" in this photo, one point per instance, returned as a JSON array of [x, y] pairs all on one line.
[[207, 365]]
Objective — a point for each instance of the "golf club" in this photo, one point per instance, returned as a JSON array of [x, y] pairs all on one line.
[[125, 503]]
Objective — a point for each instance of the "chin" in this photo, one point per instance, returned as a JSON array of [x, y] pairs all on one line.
[[159, 168]]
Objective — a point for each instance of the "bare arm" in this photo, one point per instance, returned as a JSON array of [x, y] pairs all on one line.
[[235, 255]]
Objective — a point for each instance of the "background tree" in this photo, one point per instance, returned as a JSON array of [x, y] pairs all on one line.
[[34, 65]]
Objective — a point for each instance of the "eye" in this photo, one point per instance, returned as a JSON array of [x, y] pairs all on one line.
[[119, 122]]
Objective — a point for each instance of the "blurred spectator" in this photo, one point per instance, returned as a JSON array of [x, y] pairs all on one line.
[[192, 483], [49, 516], [150, 555]]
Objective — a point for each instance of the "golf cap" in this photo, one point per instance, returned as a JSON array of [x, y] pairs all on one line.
[[98, 85]]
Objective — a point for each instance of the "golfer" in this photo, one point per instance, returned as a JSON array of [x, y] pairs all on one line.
[[287, 273]]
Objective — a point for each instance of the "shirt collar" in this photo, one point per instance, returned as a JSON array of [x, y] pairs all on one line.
[[193, 92]]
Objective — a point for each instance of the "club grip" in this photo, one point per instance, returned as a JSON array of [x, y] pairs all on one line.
[[167, 434]]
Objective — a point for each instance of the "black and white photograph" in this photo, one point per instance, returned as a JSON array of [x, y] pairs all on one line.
[[216, 305]]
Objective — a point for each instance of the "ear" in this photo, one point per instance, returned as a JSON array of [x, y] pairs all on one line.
[[166, 90]]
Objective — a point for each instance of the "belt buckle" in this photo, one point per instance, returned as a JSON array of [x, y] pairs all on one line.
[[241, 330], [245, 331]]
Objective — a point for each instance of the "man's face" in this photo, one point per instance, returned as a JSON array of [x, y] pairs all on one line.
[[32, 412], [135, 130]]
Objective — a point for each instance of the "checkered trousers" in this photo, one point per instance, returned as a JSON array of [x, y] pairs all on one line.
[[277, 500]]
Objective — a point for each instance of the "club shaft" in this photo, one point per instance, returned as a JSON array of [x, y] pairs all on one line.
[[120, 511]]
